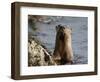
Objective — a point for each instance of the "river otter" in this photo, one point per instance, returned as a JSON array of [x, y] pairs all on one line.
[[63, 53]]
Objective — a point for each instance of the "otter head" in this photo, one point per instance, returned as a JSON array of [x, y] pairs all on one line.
[[63, 32]]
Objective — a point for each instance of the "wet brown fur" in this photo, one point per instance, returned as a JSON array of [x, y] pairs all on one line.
[[63, 53]]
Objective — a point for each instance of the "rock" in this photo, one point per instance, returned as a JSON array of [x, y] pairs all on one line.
[[37, 55]]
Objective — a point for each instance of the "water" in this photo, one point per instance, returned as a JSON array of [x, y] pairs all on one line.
[[46, 33]]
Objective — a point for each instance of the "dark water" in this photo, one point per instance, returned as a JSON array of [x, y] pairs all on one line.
[[46, 33]]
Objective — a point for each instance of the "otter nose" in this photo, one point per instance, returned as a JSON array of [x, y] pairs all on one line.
[[61, 37]]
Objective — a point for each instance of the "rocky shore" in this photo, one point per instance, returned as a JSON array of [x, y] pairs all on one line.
[[38, 55]]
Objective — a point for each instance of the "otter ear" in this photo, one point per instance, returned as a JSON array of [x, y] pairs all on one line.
[[57, 28]]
